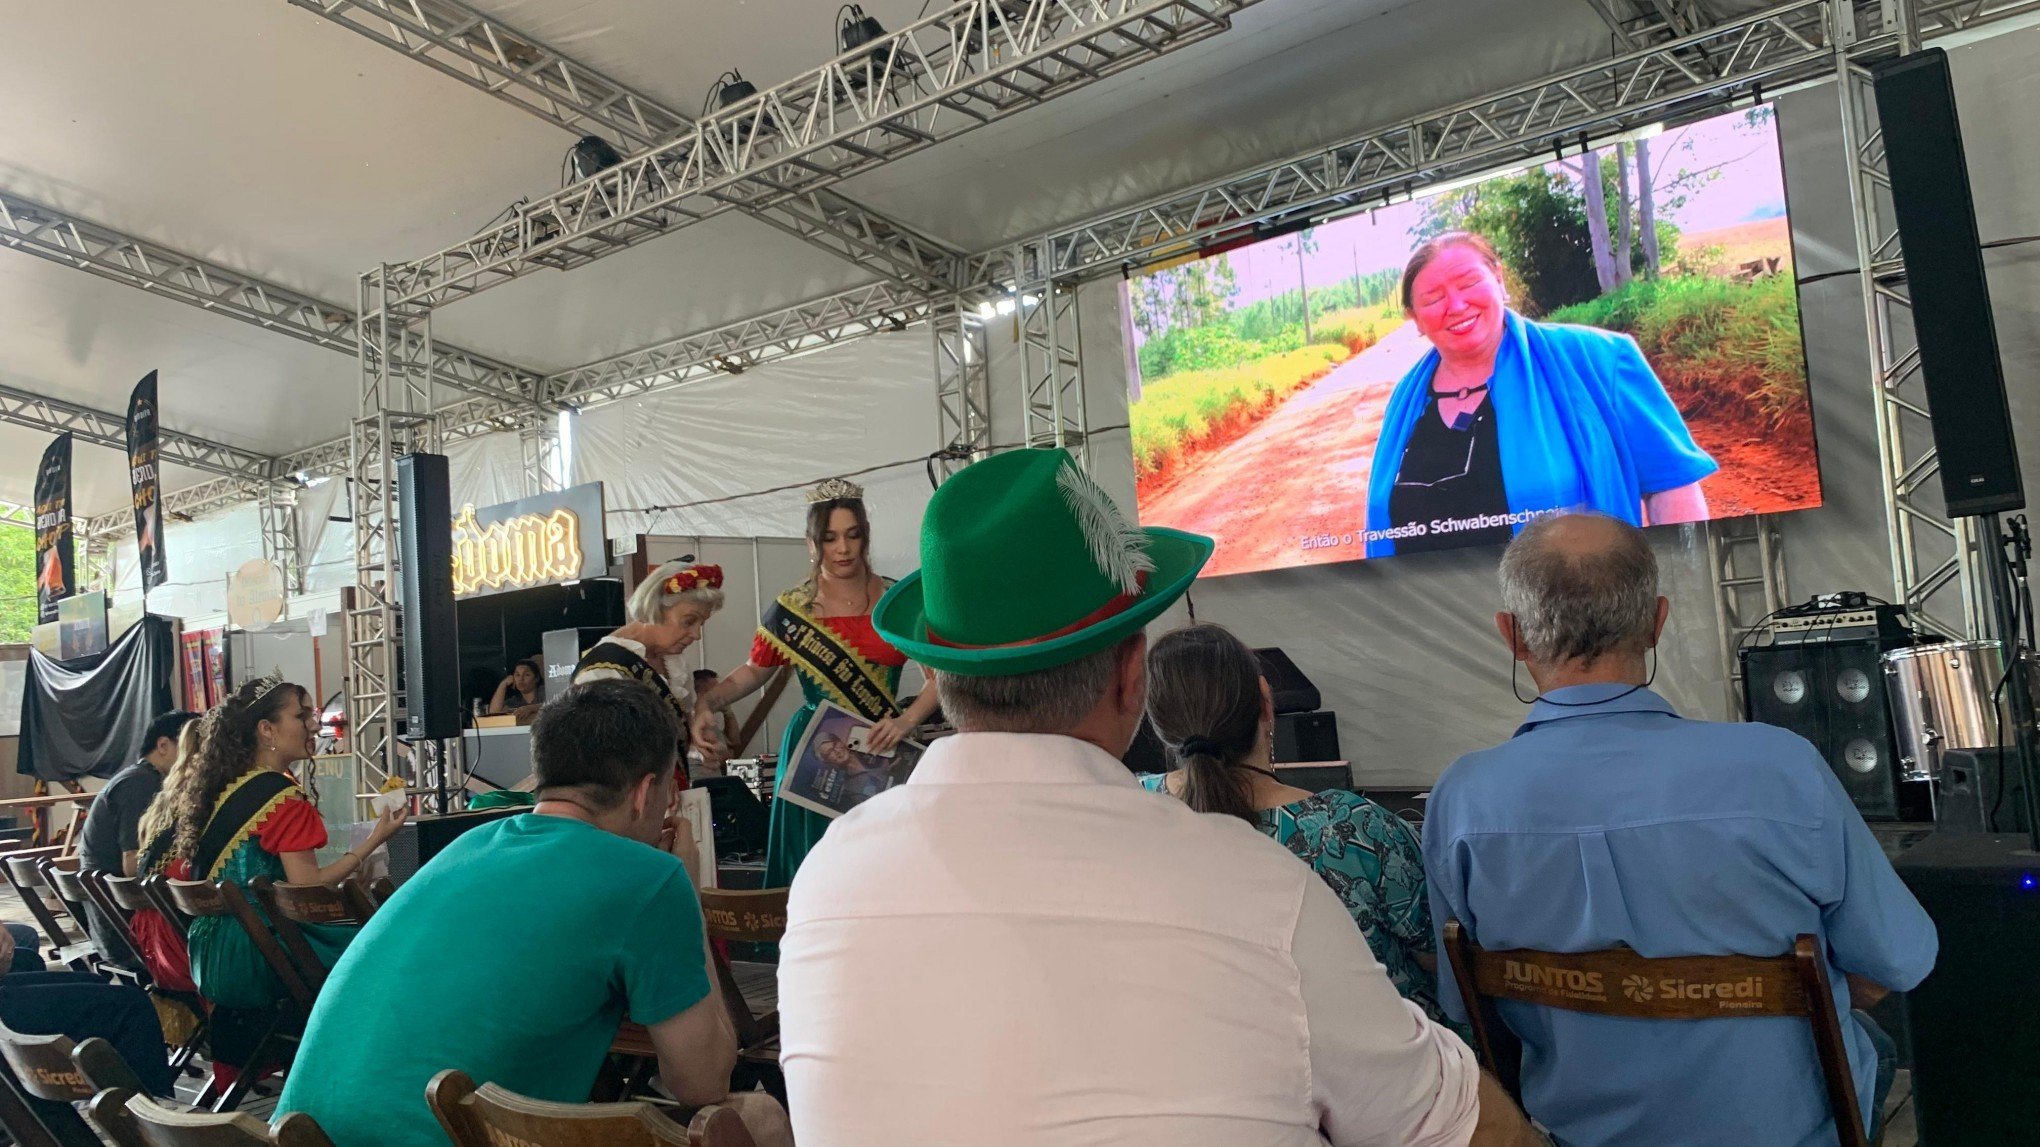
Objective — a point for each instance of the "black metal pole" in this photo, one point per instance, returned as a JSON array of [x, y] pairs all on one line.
[[2005, 589]]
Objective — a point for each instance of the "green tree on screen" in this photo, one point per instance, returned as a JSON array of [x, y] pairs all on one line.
[[17, 583]]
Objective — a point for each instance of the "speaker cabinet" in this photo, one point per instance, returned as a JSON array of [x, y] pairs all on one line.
[[1980, 791], [1976, 1047], [423, 837], [431, 634], [562, 649], [1831, 693], [1293, 691], [1944, 277]]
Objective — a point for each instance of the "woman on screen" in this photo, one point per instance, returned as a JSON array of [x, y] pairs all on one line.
[[1506, 417]]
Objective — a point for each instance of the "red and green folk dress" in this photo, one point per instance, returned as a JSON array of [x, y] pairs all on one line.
[[839, 659], [260, 817]]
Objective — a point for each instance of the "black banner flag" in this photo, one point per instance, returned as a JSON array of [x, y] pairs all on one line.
[[146, 483], [56, 572]]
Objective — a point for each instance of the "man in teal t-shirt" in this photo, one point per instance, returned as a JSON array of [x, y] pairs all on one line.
[[515, 953]]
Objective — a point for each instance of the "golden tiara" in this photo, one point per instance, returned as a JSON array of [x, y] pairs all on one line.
[[835, 490]]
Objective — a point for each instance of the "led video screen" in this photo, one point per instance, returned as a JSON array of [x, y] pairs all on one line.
[[1614, 331]]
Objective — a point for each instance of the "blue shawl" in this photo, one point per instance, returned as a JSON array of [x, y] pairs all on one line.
[[1583, 425]]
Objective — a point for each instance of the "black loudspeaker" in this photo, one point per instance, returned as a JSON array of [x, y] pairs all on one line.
[[423, 837], [1293, 691], [740, 819], [1944, 277], [1980, 791], [1307, 737], [1831, 693], [431, 634], [1976, 1047], [1147, 754]]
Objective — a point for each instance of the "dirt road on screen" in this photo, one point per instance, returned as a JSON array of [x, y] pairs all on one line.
[[1302, 473]]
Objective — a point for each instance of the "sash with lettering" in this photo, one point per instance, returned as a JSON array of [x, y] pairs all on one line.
[[236, 817], [56, 573], [834, 667], [143, 481]]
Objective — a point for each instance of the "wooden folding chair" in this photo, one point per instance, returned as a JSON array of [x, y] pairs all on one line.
[[130, 895], [490, 1116], [60, 873], [26, 879], [125, 959], [1618, 982], [134, 1120], [755, 917], [41, 1085], [291, 906], [196, 898]]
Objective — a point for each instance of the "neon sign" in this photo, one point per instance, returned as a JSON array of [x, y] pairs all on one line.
[[537, 541]]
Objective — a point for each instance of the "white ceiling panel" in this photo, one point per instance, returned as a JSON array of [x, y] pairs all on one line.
[[718, 271], [87, 340]]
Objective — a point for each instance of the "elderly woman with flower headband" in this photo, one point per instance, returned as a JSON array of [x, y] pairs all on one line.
[[822, 627], [665, 616]]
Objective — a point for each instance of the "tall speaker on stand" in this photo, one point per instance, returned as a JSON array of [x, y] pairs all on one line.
[[1976, 1049], [431, 634]]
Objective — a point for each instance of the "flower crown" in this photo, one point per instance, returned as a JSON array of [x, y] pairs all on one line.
[[835, 490], [695, 577]]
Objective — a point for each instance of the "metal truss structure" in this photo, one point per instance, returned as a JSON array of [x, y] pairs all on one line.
[[103, 428], [737, 347], [486, 54], [1747, 560], [73, 242], [963, 390], [1934, 559], [14, 514], [964, 66], [279, 521], [1053, 410]]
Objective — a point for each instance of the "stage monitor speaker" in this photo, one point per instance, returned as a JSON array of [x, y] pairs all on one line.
[[432, 700], [562, 649], [424, 837], [1981, 792], [1293, 691], [1958, 345], [1976, 1047], [1831, 693], [1307, 738]]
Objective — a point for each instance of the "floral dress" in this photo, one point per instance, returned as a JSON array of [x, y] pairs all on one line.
[[1370, 858]]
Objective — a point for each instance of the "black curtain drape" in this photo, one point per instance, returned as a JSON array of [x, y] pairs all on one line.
[[87, 717]]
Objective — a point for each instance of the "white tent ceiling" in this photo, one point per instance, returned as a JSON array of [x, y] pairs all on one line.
[[260, 136]]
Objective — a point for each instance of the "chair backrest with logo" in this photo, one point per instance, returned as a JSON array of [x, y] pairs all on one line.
[[196, 898], [132, 1120], [489, 1116], [292, 906], [1618, 982]]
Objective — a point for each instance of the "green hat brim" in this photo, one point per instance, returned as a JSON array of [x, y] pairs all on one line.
[[900, 616]]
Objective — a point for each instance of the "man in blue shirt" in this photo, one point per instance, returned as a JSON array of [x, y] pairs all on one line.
[[1608, 820]]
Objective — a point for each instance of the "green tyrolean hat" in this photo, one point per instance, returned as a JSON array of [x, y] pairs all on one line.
[[1026, 564]]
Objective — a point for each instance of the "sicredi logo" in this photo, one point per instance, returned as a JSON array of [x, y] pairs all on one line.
[[1747, 992], [1639, 989], [1567, 982]]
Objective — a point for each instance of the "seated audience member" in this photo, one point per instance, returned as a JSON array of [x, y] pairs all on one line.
[[240, 814], [111, 839], [515, 954], [1213, 709], [523, 688], [80, 1005], [162, 944], [1610, 820], [1020, 946]]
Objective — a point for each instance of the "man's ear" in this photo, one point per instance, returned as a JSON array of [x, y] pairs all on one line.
[[641, 796], [1664, 613], [1512, 636], [1133, 675]]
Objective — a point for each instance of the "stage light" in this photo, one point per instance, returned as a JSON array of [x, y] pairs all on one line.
[[854, 30], [591, 154], [309, 480], [729, 90], [985, 311], [1004, 306]]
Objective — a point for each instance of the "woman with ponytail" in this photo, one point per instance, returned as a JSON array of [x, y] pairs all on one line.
[[1212, 708]]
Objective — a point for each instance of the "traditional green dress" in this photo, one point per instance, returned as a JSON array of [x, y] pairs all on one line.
[[257, 819], [839, 659]]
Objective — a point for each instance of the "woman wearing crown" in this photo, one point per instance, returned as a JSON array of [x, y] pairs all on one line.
[[822, 627]]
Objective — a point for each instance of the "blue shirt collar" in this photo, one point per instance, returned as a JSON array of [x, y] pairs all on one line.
[[1593, 701]]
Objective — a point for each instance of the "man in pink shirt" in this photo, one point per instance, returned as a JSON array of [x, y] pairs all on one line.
[[1021, 946]]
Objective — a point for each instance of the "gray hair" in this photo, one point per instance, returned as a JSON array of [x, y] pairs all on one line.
[[1576, 599], [650, 601], [1053, 700]]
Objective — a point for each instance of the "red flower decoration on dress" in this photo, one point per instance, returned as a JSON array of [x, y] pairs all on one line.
[[695, 577]]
